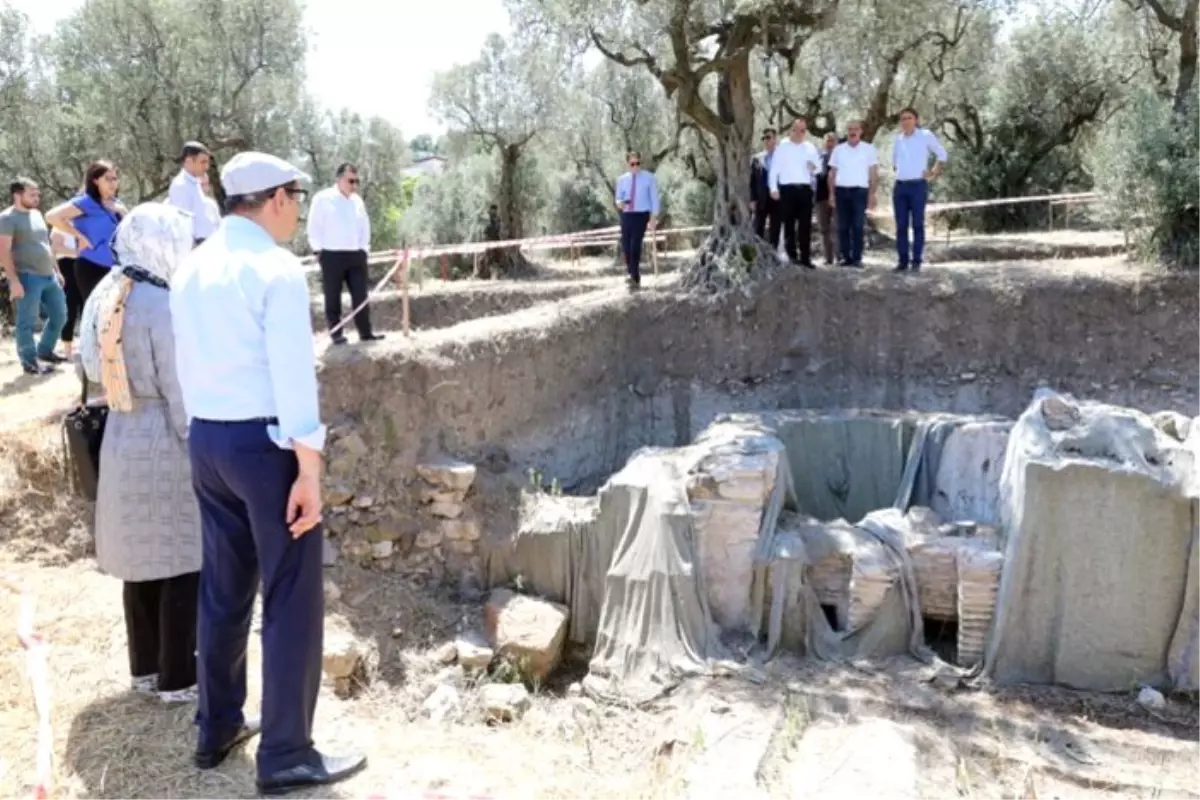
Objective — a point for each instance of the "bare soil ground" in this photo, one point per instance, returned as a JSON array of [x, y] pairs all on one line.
[[799, 729]]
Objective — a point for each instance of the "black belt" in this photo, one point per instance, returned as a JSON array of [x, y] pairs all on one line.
[[913, 180], [251, 421]]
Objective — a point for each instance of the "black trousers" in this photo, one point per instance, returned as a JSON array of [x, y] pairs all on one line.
[[347, 267], [160, 624], [633, 231], [74, 299], [767, 223], [88, 275], [797, 211], [242, 481]]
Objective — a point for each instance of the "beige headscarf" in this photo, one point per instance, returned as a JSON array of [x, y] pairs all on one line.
[[149, 244]]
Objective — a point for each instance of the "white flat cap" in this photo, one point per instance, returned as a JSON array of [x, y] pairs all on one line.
[[251, 172]]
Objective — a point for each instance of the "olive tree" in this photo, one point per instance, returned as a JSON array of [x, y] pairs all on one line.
[[503, 100]]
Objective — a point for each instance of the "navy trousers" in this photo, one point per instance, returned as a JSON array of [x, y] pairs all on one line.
[[633, 230], [908, 202], [851, 219], [242, 480]]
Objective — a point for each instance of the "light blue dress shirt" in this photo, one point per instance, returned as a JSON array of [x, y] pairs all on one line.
[[910, 154], [646, 188], [243, 334]]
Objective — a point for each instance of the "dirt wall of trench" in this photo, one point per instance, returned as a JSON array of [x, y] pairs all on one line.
[[573, 388]]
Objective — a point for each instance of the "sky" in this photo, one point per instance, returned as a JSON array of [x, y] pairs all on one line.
[[374, 57]]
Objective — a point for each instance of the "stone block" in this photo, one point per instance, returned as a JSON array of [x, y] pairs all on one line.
[[448, 474], [528, 631]]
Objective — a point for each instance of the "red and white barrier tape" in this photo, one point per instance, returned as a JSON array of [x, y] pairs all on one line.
[[36, 665]]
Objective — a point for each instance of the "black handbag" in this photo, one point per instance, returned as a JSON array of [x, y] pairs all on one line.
[[83, 432]]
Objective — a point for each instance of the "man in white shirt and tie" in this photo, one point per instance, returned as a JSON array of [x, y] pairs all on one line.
[[793, 167], [910, 156], [853, 174], [339, 232], [247, 372], [187, 189], [637, 201]]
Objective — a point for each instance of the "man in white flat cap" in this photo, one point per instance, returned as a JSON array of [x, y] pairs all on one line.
[[244, 350]]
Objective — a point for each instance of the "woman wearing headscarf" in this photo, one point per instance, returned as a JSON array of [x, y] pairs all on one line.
[[147, 519]]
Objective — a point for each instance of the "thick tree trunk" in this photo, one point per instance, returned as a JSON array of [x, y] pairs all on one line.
[[732, 254], [1185, 88], [509, 261]]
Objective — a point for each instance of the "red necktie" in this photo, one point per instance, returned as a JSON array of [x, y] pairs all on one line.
[[633, 191]]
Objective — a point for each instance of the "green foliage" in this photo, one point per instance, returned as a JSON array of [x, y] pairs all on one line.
[[379, 151], [1026, 136], [451, 207], [579, 207], [1146, 170]]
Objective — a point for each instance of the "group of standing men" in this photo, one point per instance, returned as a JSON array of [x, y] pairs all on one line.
[[790, 178]]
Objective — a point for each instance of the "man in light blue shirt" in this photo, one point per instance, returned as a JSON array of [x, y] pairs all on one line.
[[637, 202], [246, 365], [910, 157]]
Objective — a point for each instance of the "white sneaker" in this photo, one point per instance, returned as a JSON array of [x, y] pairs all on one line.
[[188, 695], [145, 684]]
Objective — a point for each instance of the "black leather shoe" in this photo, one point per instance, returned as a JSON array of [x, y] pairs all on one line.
[[331, 770], [338, 340], [901, 268], [53, 358], [211, 759], [374, 337]]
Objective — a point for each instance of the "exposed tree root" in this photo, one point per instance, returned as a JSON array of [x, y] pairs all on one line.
[[730, 258]]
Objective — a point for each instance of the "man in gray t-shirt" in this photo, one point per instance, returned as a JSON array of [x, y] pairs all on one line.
[[33, 277]]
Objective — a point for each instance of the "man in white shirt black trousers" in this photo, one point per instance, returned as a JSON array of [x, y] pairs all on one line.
[[339, 232], [794, 167]]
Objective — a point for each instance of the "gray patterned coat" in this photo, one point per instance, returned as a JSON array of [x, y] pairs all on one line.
[[147, 519]]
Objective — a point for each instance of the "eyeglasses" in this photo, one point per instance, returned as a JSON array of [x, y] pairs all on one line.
[[299, 195], [635, 163], [768, 137], [352, 181]]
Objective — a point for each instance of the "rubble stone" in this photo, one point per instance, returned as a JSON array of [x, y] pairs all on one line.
[[441, 704], [448, 473], [503, 702], [473, 653], [465, 529], [382, 549], [528, 631], [429, 539], [338, 496], [332, 592], [329, 553], [446, 510]]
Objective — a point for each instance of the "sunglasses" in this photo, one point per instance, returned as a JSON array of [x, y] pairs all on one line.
[[635, 163], [353, 181], [299, 195], [768, 137]]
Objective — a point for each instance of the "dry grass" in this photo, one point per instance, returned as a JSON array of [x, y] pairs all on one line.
[[111, 743]]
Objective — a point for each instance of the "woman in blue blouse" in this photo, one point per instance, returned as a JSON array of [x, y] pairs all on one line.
[[91, 217]]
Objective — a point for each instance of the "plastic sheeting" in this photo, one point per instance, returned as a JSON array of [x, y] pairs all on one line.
[[1099, 539], [844, 464], [655, 626]]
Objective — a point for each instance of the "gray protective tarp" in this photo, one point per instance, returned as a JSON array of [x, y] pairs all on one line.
[[1099, 538], [655, 626], [844, 464], [561, 553]]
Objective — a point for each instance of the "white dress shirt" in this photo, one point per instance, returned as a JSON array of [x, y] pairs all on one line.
[[853, 164], [186, 193], [910, 154], [794, 162], [337, 222], [243, 334]]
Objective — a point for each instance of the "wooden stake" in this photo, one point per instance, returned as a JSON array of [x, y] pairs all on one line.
[[404, 292]]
